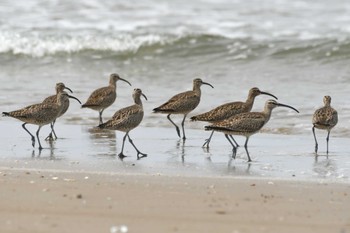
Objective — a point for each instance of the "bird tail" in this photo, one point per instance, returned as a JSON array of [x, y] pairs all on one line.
[[195, 118], [156, 110], [212, 127], [102, 126], [5, 114]]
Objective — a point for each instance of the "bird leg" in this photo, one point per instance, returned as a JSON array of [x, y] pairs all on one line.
[[327, 139], [33, 138], [232, 144], [207, 141], [234, 140], [100, 116], [246, 149], [316, 144], [37, 136], [234, 149], [177, 128], [183, 127], [50, 137], [138, 152], [121, 155]]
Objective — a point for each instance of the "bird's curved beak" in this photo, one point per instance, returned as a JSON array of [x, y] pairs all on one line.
[[266, 93], [68, 89], [287, 106], [144, 96], [207, 84], [125, 81], [72, 97]]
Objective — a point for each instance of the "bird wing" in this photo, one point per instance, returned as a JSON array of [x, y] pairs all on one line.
[[221, 112], [50, 100], [243, 123], [98, 96], [185, 100]]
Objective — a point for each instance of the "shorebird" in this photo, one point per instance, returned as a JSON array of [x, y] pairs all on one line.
[[53, 99], [127, 119], [104, 97], [246, 124], [324, 118], [182, 103], [39, 114], [227, 110]]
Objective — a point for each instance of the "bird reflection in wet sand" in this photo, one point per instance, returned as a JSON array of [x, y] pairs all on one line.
[[325, 168], [101, 139], [51, 155]]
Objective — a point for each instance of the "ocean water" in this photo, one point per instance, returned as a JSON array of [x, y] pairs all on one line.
[[297, 50]]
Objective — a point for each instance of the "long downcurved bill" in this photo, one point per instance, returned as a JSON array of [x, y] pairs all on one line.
[[144, 96], [287, 106], [72, 97], [68, 89], [125, 81], [207, 84], [266, 93]]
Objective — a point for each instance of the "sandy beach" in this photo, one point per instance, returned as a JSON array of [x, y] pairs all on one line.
[[51, 201]]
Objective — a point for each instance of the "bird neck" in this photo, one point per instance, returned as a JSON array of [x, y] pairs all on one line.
[[137, 100], [267, 112], [250, 101], [197, 89]]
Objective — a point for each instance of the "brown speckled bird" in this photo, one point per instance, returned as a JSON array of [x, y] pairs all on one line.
[[324, 118], [182, 103], [65, 105], [127, 119], [227, 110], [39, 114], [246, 124], [104, 97]]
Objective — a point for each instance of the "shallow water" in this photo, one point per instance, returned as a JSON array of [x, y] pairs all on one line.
[[296, 50], [85, 149]]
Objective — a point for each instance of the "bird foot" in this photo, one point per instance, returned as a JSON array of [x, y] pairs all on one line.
[[121, 155], [142, 155], [49, 138], [206, 144]]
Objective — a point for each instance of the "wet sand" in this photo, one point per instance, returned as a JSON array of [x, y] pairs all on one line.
[[78, 184]]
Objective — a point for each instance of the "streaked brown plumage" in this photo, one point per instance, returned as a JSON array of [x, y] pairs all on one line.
[[65, 105], [182, 103], [39, 114], [324, 118], [104, 97], [246, 124], [127, 119], [227, 110]]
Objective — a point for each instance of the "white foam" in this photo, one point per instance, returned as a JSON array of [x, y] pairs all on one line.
[[39, 45]]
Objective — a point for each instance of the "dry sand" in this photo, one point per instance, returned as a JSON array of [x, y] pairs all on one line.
[[61, 201]]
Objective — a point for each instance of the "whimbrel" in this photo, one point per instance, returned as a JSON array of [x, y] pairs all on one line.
[[228, 110], [182, 103], [53, 99], [246, 124], [127, 119], [39, 114], [324, 118], [104, 97]]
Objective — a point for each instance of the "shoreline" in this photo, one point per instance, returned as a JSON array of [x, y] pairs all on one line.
[[82, 148]]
